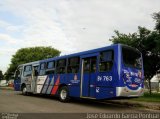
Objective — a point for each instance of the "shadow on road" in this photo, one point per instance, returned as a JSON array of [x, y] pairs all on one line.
[[102, 104]]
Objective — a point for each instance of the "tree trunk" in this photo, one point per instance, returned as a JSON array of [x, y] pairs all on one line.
[[150, 90], [158, 77]]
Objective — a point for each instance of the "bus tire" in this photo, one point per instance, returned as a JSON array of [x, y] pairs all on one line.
[[24, 90], [64, 94]]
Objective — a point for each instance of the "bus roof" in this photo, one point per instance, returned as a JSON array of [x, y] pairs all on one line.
[[35, 62], [81, 53], [77, 54]]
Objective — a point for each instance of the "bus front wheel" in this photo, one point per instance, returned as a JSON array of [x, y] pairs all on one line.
[[64, 94], [24, 90]]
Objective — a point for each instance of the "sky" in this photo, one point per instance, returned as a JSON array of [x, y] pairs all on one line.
[[68, 25]]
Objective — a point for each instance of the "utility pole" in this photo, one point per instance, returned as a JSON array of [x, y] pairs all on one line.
[[158, 77]]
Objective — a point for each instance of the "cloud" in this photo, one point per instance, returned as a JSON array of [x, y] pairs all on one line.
[[9, 28], [3, 24], [73, 25], [70, 24], [8, 39], [7, 51]]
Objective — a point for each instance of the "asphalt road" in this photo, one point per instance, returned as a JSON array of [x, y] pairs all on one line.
[[14, 102]]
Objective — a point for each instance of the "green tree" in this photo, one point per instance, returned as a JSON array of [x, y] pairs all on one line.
[[148, 43], [1, 75], [156, 17], [25, 55]]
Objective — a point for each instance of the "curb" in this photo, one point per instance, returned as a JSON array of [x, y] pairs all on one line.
[[147, 105]]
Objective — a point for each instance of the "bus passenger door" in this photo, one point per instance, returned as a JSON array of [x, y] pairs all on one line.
[[34, 79], [88, 76], [17, 80]]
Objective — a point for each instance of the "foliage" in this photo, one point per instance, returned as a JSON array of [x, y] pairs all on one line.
[[154, 97], [25, 55], [1, 75], [156, 17]]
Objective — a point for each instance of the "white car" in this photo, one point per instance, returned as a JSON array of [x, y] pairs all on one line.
[[4, 84]]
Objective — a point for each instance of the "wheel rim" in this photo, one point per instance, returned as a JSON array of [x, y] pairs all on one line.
[[24, 90], [63, 94]]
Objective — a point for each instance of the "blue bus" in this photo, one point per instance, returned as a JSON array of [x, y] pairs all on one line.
[[103, 73]]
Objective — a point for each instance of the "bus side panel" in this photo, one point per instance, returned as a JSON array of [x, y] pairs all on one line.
[[105, 87], [86, 84], [54, 82], [107, 81], [73, 80], [104, 92], [51, 83], [120, 82], [74, 91], [57, 78], [63, 79], [17, 84], [92, 86], [18, 78], [45, 85], [27, 81], [40, 83]]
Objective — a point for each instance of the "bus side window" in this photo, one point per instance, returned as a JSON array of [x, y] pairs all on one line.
[[50, 67], [73, 65], [106, 60], [28, 70], [61, 66], [86, 65], [93, 65], [90, 65], [18, 73], [42, 69], [36, 73]]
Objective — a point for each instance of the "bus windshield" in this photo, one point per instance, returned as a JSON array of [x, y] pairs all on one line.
[[131, 57]]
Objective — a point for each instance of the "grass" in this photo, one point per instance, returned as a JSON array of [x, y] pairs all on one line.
[[154, 97]]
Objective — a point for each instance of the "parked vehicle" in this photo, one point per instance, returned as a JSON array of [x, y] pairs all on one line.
[[108, 72]]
